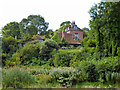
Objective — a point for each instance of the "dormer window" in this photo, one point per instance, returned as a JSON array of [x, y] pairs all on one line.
[[76, 36], [75, 27]]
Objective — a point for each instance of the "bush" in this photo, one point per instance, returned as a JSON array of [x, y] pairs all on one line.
[[112, 77], [65, 76], [27, 53], [94, 70], [43, 78], [17, 78], [118, 51], [62, 58], [40, 71], [88, 71]]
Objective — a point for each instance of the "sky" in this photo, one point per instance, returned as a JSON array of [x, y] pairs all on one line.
[[54, 11]]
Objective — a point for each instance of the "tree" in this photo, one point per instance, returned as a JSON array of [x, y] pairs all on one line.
[[9, 45], [48, 46], [49, 33], [33, 24], [11, 29], [105, 22], [65, 23], [26, 53], [85, 31]]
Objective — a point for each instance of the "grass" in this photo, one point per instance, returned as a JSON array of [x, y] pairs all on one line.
[[94, 85]]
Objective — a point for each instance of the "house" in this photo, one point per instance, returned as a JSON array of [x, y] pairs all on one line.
[[72, 34], [39, 38]]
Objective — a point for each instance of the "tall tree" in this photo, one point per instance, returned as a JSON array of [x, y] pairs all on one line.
[[33, 24], [105, 21], [11, 29]]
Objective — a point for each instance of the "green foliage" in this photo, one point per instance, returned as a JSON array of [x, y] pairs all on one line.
[[65, 23], [62, 28], [48, 46], [33, 24], [94, 70], [33, 53], [43, 78], [56, 37], [85, 32], [84, 42], [105, 25], [91, 43], [34, 42], [112, 77], [88, 71], [118, 51], [85, 29], [11, 29], [88, 42], [9, 45], [40, 71], [62, 59], [65, 76], [17, 78], [64, 43], [28, 52]]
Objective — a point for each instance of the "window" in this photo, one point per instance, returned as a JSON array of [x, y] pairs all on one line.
[[41, 39], [67, 29], [76, 36], [75, 27]]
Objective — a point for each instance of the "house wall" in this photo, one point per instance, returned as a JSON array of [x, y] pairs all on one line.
[[69, 36], [79, 32]]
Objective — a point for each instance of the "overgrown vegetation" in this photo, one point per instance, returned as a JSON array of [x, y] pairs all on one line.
[[96, 62]]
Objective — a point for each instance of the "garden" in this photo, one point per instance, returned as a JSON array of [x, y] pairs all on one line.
[[51, 63]]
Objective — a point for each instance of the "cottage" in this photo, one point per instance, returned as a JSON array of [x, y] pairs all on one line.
[[72, 34], [39, 38]]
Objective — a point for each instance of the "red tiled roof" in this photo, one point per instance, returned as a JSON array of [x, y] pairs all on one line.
[[38, 37]]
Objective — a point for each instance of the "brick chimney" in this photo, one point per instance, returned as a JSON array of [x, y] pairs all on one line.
[[73, 24]]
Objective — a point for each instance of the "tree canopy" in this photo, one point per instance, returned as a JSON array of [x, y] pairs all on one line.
[[33, 24], [105, 22], [11, 29]]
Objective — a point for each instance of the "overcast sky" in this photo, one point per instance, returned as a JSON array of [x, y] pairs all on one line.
[[54, 11]]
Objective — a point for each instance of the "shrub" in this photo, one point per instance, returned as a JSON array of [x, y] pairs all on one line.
[[27, 53], [112, 77], [43, 78], [91, 43], [47, 47], [17, 78], [94, 70], [118, 51], [65, 76], [62, 58], [40, 71], [88, 71]]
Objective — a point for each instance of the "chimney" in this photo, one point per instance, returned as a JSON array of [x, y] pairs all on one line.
[[73, 24]]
